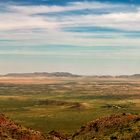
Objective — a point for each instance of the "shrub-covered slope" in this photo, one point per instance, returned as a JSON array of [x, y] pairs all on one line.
[[115, 127], [9, 130]]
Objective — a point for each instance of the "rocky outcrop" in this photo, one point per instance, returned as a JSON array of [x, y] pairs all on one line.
[[115, 127]]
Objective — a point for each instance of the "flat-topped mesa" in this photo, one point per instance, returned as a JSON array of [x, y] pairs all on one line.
[[67, 74], [42, 74]]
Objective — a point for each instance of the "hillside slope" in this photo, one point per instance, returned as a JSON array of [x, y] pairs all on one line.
[[9, 130], [115, 127]]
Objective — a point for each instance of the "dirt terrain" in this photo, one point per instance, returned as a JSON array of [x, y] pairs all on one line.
[[59, 105], [117, 126]]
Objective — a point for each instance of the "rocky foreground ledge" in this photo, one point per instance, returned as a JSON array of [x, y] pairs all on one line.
[[9, 130], [115, 127]]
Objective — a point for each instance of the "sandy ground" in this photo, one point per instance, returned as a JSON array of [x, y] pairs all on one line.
[[38, 80], [31, 80], [55, 80]]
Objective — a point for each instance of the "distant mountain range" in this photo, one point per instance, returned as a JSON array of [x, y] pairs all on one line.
[[129, 76], [65, 74], [42, 74]]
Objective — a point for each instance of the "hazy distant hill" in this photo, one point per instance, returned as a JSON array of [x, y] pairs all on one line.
[[42, 74], [129, 76], [66, 74], [135, 76]]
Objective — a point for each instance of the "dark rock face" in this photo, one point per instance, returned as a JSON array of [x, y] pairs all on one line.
[[58, 135]]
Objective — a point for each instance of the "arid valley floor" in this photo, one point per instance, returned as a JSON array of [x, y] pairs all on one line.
[[66, 103]]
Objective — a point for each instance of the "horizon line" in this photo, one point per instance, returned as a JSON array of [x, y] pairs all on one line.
[[76, 74]]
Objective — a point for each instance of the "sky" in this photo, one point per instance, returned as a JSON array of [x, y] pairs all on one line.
[[86, 37]]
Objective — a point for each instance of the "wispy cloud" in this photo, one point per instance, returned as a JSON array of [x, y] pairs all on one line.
[[80, 24], [118, 16]]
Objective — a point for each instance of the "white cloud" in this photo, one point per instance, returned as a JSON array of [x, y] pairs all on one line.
[[22, 16], [21, 22], [13, 21], [68, 7], [125, 21]]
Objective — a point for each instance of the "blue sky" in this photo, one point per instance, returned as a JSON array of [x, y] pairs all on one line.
[[83, 37]]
